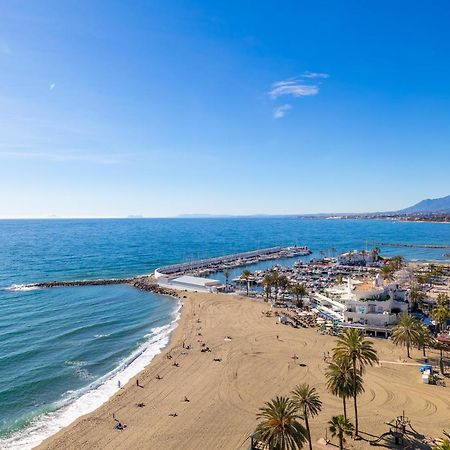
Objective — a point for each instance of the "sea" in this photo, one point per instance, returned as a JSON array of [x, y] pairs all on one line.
[[64, 351]]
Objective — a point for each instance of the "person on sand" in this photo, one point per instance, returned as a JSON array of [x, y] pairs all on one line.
[[158, 377], [186, 399]]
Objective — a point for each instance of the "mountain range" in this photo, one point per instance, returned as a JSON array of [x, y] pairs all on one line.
[[429, 206]]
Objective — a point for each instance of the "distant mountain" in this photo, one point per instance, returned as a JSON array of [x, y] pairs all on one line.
[[430, 205]]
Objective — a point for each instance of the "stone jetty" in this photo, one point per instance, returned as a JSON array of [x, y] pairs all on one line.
[[145, 283]]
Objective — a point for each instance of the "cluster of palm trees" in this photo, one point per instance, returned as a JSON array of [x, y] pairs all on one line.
[[410, 332], [388, 270], [280, 427], [441, 313], [274, 282]]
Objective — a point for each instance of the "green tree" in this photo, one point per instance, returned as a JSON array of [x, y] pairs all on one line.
[[406, 333], [424, 339], [299, 291], [441, 314], [340, 381], [415, 297], [283, 283], [267, 284], [275, 282], [340, 426], [396, 262], [387, 272], [444, 445], [353, 347], [226, 274], [308, 402], [280, 428], [443, 300], [246, 276]]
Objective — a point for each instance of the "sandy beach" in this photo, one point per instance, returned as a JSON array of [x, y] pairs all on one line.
[[225, 387]]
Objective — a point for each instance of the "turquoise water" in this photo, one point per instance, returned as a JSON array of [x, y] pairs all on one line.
[[60, 345]]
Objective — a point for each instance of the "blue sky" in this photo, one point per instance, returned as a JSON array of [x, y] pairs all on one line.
[[160, 108]]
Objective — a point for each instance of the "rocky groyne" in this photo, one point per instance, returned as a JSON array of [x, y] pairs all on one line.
[[145, 283]]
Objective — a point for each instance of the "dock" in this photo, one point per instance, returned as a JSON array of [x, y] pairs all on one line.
[[401, 244]]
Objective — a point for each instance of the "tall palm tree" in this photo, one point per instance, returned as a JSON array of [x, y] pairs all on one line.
[[275, 282], [339, 376], [283, 283], [246, 275], [353, 347], [424, 339], [299, 291], [308, 402], [396, 262], [340, 427], [387, 273], [443, 300], [406, 332], [415, 296], [226, 274], [441, 314], [280, 428], [267, 283]]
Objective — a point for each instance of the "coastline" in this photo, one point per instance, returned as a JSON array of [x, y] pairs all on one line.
[[252, 367], [91, 397]]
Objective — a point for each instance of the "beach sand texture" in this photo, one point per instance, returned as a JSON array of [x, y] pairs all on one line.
[[224, 396]]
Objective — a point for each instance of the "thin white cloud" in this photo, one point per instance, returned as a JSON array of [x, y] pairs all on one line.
[[280, 111], [312, 75], [52, 86], [294, 88], [61, 156], [307, 85]]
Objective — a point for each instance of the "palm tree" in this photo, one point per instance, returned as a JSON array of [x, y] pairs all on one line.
[[444, 445], [340, 427], [275, 282], [299, 291], [280, 428], [443, 300], [396, 262], [267, 284], [415, 295], [308, 402], [246, 274], [406, 332], [339, 376], [283, 283], [387, 273], [441, 314], [226, 274], [424, 339], [353, 347]]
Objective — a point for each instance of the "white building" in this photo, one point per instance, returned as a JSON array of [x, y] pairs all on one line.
[[373, 304], [365, 304], [358, 258], [190, 283]]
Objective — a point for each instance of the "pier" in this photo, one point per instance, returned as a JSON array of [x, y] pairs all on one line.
[[206, 266], [400, 244]]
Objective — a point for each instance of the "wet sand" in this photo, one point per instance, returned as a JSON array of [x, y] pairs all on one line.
[[224, 396]]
